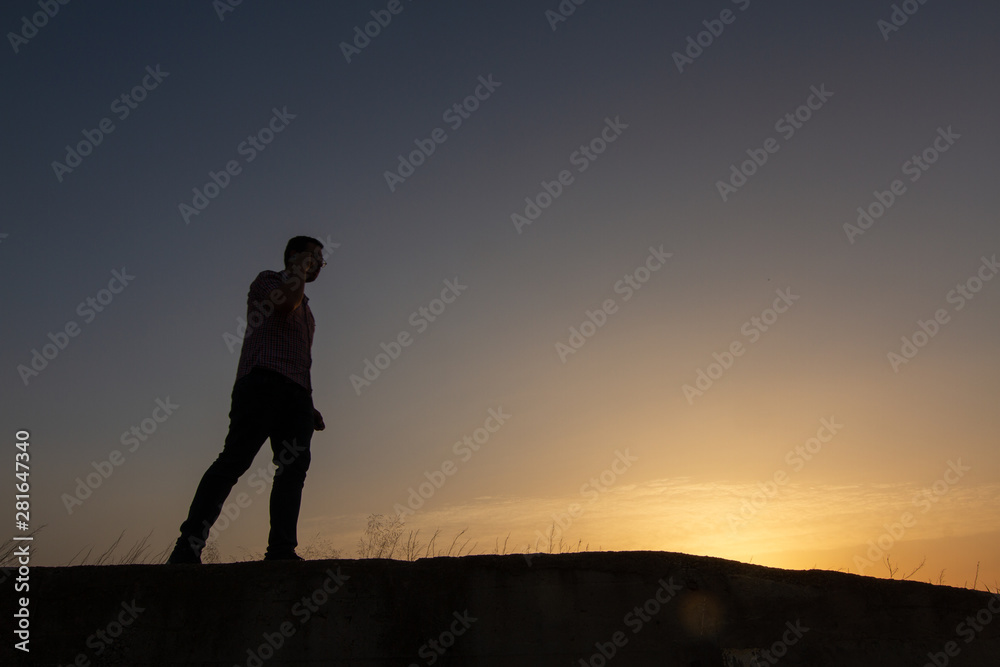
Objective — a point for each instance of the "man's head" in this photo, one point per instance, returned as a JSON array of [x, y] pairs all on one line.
[[304, 254]]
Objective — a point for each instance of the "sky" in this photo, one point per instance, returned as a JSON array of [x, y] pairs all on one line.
[[704, 277]]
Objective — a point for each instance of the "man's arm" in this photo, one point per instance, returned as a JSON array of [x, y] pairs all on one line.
[[288, 296]]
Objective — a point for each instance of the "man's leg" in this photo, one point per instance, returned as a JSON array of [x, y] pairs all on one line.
[[290, 441], [250, 421]]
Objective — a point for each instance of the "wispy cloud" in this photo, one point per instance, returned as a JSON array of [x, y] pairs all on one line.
[[696, 517]]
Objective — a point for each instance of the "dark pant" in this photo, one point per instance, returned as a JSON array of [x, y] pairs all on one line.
[[265, 405]]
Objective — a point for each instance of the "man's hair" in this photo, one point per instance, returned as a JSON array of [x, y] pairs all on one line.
[[298, 244]]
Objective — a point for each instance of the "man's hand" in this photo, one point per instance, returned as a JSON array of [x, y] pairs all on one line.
[[318, 423], [302, 268], [292, 290], [303, 265]]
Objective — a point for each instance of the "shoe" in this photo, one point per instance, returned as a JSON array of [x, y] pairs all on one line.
[[291, 556], [183, 555]]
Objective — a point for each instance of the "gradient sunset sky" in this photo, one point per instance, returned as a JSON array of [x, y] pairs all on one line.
[[742, 396]]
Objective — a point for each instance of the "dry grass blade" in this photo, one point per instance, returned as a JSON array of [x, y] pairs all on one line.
[[915, 570], [462, 532], [106, 556], [8, 550], [429, 552]]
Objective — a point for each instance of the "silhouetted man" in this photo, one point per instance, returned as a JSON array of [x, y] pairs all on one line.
[[272, 398]]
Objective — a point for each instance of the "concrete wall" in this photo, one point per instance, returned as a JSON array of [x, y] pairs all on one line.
[[627, 608]]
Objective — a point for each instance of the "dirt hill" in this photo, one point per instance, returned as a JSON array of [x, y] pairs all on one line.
[[597, 608]]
